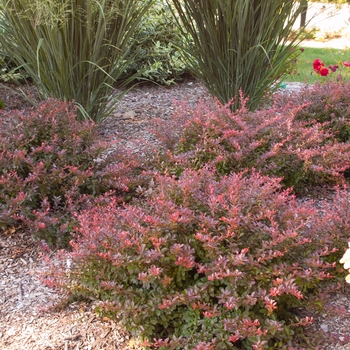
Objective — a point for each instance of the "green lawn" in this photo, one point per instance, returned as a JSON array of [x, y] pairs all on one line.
[[304, 72]]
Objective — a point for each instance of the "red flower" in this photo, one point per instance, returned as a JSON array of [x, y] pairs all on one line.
[[318, 65], [324, 72], [346, 64]]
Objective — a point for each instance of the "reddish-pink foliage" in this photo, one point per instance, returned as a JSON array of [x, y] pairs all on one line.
[[221, 258], [214, 253], [324, 104], [51, 165], [273, 141]]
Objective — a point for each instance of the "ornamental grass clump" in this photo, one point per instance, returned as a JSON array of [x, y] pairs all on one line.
[[242, 45], [51, 166], [72, 49], [203, 262]]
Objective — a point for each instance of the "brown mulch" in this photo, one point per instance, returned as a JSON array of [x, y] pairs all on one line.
[[13, 96]]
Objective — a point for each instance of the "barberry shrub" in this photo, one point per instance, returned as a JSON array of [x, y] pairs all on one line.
[[335, 221], [203, 262], [51, 165], [326, 103], [273, 141]]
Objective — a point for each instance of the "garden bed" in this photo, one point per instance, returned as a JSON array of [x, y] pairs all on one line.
[[28, 318]]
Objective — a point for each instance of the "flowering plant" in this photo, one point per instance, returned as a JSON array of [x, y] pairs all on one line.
[[319, 67], [346, 261]]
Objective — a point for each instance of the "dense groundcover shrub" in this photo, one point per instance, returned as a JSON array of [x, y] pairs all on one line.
[[326, 103], [336, 221], [275, 141], [203, 262], [155, 43], [51, 165]]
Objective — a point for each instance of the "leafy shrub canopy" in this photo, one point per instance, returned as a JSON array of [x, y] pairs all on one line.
[[155, 45], [51, 166], [202, 260], [214, 253], [276, 141]]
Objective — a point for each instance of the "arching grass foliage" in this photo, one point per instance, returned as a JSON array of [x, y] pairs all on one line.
[[72, 49]]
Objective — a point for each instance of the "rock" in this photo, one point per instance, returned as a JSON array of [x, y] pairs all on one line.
[[324, 327], [129, 115]]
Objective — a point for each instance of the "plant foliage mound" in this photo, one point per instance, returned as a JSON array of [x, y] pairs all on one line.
[[326, 103], [215, 252], [275, 141], [204, 262], [51, 165], [155, 43]]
